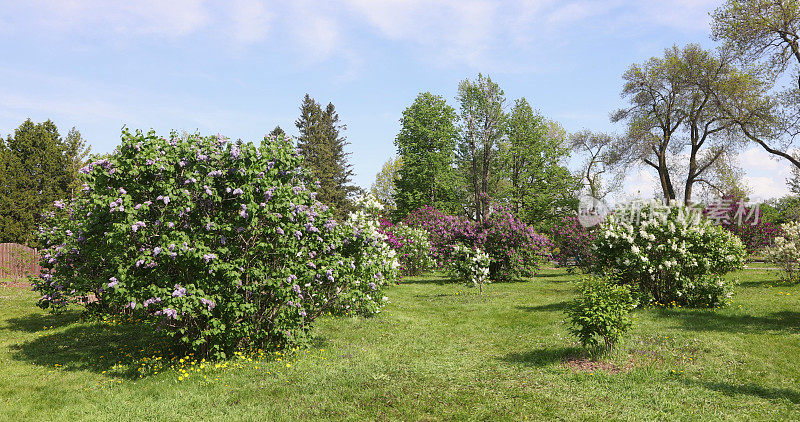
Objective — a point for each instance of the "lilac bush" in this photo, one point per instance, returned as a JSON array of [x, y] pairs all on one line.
[[222, 245], [572, 244], [443, 230], [414, 250], [671, 255], [515, 249], [745, 222]]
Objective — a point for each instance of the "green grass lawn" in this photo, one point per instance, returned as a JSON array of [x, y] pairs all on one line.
[[438, 352]]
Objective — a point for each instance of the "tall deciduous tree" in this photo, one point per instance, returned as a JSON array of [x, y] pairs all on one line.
[[680, 106], [37, 168], [482, 127], [322, 147], [384, 187], [766, 32], [77, 156], [599, 174], [537, 183], [426, 143]]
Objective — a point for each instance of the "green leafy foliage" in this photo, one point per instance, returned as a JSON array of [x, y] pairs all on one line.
[[538, 185], [482, 128], [426, 145], [221, 245], [384, 188], [601, 312]]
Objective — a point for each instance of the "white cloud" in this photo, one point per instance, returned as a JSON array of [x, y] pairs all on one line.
[[756, 157], [765, 187], [150, 17], [250, 21], [316, 30]]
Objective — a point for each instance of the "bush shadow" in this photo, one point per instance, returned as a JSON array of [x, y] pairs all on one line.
[[36, 322], [99, 348], [698, 320], [548, 307], [768, 393], [429, 279], [544, 357]]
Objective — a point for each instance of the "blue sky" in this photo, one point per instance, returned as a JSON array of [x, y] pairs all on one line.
[[241, 67]]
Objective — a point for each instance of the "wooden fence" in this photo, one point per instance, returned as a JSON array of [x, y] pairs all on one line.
[[18, 261]]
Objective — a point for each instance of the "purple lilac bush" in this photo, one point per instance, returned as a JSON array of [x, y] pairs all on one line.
[[514, 248], [745, 222], [221, 245]]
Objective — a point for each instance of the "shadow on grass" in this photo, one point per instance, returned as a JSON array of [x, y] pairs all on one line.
[[429, 280], [544, 357], [712, 321], [555, 306], [554, 274], [768, 393], [770, 279], [37, 322], [93, 347]]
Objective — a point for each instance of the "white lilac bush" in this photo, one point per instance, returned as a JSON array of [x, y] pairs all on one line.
[[374, 259], [786, 252], [222, 245], [671, 254], [413, 248], [470, 265]]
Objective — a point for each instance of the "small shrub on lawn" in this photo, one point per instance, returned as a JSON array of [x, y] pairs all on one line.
[[601, 313], [671, 255], [222, 245], [470, 265], [786, 252]]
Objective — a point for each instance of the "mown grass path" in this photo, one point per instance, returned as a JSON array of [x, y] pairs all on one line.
[[439, 352]]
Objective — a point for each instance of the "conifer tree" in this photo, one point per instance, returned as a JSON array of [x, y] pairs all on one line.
[[277, 132], [322, 147], [37, 167]]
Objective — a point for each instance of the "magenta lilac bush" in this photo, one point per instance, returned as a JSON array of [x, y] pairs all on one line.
[[515, 249], [572, 244], [745, 222], [444, 231]]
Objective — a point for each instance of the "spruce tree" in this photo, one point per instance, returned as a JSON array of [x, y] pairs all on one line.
[[322, 147], [277, 132], [37, 167]]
